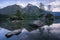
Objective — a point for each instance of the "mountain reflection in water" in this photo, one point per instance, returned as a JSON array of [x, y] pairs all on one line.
[[34, 35]]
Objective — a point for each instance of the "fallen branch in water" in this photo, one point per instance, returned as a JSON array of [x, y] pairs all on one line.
[[15, 32]]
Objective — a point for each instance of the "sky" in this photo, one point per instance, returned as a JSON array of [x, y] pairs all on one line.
[[4, 3]]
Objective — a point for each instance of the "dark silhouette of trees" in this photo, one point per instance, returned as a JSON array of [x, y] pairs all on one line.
[[19, 15], [49, 19]]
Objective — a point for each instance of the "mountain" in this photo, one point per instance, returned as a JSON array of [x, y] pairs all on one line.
[[31, 10], [56, 13], [9, 10]]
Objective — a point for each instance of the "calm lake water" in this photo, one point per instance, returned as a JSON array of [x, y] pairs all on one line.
[[25, 34], [15, 37]]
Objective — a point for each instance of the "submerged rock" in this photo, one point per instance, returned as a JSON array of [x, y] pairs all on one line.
[[15, 32]]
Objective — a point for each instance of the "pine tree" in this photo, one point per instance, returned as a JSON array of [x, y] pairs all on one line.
[[19, 15], [49, 19]]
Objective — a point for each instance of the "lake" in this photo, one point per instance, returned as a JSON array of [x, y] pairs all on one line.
[[34, 35]]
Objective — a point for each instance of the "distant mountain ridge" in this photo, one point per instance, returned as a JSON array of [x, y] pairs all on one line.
[[56, 13], [10, 9], [29, 10]]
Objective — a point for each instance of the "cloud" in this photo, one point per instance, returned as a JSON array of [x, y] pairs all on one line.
[[6, 3], [55, 6], [22, 2], [56, 10], [55, 3], [34, 2]]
